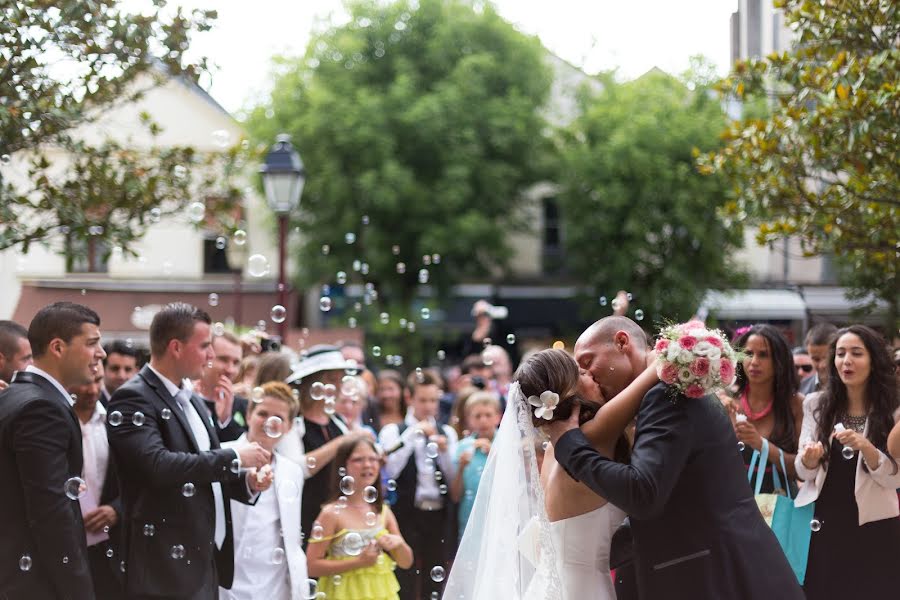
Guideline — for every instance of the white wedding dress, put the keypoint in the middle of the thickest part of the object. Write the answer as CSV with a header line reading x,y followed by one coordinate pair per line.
x,y
582,556
510,549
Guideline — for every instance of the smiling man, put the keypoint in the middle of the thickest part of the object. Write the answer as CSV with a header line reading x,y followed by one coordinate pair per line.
x,y
44,553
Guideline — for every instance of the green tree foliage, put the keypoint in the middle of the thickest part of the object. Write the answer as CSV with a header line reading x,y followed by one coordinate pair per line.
x,y
637,214
62,65
419,125
824,165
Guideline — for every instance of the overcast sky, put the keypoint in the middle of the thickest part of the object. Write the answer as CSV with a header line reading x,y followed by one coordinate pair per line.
x,y
633,35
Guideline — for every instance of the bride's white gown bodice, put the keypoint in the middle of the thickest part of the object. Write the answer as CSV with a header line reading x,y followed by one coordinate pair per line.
x,y
582,556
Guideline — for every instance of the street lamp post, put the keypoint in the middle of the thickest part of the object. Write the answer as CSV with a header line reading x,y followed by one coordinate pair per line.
x,y
283,178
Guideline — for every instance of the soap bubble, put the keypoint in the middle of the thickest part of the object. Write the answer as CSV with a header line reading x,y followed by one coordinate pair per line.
x,y
257,394
384,318
137,419
273,427
431,450
638,315
325,304
258,265
310,589
437,574
218,328
196,212
277,556
213,299
114,418
279,313
511,339
235,466
426,313
603,301
329,391
423,276
75,487
349,237
376,351
391,485
177,552
317,390
239,237
401,268
353,544
311,462
317,532
188,490
329,406
815,525
166,414
848,453
441,355
25,563
370,494
149,530
341,277
221,242
371,519
347,485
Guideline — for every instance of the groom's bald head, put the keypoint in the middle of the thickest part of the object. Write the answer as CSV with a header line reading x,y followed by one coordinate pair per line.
x,y
614,351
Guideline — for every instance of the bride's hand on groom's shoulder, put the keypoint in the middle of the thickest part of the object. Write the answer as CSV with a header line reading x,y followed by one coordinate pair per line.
x,y
556,429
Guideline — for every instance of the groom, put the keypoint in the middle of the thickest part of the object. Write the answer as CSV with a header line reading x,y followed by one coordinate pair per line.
x,y
698,533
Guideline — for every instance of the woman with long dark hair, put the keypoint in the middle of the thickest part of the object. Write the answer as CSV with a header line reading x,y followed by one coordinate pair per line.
x,y
767,398
850,475
355,541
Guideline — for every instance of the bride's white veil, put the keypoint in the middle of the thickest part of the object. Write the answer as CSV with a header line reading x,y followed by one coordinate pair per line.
x,y
507,543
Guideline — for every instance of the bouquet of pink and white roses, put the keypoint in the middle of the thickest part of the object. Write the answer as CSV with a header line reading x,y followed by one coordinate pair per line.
x,y
695,360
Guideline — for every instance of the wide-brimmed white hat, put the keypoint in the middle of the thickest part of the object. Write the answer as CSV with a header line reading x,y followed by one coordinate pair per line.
x,y
318,359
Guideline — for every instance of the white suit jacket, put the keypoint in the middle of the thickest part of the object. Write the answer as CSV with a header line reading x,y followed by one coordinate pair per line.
x,y
289,515
876,491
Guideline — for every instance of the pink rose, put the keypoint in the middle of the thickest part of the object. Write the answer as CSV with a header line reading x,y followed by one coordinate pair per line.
x,y
700,366
662,345
691,325
687,342
726,371
669,373
694,391
715,341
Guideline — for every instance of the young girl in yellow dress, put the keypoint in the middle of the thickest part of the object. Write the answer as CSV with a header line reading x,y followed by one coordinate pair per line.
x,y
355,542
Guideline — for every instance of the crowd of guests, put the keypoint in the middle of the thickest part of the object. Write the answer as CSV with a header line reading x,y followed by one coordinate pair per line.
x,y
204,467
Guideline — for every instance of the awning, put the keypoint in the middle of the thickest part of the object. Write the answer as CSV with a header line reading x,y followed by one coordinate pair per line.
x,y
833,301
749,305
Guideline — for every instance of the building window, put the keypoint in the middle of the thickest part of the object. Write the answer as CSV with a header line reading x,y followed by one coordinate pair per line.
x,y
86,255
552,238
215,259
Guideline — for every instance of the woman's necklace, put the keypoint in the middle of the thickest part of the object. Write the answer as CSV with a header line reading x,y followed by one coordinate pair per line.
x,y
754,416
857,424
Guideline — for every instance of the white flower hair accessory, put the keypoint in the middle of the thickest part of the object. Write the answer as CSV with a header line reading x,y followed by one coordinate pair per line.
x,y
544,405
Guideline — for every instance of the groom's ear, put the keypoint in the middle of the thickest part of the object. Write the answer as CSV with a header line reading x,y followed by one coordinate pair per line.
x,y
621,340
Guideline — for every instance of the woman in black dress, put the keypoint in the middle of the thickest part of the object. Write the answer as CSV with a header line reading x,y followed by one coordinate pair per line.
x,y
856,530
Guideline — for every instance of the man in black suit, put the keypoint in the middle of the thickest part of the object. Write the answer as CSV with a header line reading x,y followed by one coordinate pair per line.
x,y
176,481
101,506
15,351
216,387
43,553
698,533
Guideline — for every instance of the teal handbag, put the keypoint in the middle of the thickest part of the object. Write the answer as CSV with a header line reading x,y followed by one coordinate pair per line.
x,y
789,523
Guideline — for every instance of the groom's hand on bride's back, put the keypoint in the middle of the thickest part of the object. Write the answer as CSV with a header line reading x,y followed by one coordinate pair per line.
x,y
556,429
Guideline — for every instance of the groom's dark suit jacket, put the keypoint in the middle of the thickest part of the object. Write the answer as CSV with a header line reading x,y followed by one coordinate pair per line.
x,y
40,449
155,460
698,533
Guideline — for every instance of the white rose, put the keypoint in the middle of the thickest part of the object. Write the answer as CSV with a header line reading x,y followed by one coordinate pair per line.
x,y
703,348
673,351
686,357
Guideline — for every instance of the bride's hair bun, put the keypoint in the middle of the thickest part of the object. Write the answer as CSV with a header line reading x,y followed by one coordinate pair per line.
x,y
553,371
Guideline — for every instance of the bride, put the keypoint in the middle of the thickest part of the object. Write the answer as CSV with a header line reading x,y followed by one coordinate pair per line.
x,y
559,529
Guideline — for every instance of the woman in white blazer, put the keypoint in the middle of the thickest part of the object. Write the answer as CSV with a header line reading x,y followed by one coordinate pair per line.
x,y
268,557
850,476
